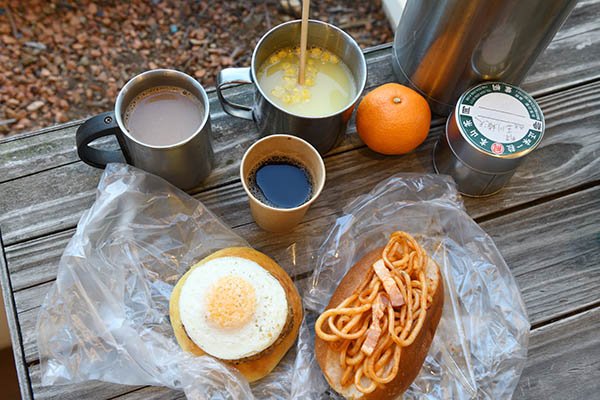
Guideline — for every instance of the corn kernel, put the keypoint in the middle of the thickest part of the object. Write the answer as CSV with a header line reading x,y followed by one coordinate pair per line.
x,y
278,91
310,61
287,99
334,59
326,56
309,82
282,53
315,52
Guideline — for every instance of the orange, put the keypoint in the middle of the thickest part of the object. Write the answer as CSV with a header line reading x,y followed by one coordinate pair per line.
x,y
393,119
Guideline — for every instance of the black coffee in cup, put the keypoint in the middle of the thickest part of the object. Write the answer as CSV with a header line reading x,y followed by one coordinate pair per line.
x,y
163,116
281,182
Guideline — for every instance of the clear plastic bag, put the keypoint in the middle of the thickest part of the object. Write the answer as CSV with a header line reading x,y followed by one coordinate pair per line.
x,y
480,346
107,315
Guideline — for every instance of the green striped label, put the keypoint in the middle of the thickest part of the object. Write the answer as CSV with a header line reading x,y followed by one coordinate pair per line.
x,y
500,119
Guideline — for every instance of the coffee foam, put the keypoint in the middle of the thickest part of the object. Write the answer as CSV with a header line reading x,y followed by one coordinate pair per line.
x,y
149,92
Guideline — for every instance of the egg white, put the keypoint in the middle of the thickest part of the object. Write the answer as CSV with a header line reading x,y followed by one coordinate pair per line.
x,y
262,329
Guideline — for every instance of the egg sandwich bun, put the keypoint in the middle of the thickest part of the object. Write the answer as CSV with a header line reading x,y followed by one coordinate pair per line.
x,y
374,335
239,306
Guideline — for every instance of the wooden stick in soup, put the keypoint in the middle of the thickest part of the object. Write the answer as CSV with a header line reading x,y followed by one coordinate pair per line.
x,y
303,40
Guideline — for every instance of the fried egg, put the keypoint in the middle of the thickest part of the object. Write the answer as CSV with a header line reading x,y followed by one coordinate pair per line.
x,y
232,308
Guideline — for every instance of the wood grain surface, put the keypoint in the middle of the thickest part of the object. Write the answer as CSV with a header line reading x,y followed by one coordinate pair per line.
x,y
546,222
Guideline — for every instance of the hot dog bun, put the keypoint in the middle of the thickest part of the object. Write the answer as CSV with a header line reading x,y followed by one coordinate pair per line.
x,y
412,356
255,366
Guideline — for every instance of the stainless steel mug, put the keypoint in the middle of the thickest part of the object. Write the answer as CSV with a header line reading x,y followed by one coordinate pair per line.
x,y
443,47
185,164
322,132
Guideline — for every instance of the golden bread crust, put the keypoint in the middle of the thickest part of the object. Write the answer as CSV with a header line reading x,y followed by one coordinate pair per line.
x,y
412,357
255,367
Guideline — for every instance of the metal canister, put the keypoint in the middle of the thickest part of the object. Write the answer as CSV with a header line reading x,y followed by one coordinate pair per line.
x,y
494,125
443,47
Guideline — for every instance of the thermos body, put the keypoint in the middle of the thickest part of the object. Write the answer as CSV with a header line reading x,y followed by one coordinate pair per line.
x,y
443,47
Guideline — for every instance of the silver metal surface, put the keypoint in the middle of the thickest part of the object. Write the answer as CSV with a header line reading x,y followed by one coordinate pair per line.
x,y
494,125
470,181
322,132
443,47
185,164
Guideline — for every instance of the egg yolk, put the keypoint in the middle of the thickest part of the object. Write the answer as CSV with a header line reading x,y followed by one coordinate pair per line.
x,y
231,302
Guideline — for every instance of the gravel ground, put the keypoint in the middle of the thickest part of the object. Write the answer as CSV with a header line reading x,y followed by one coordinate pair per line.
x,y
66,60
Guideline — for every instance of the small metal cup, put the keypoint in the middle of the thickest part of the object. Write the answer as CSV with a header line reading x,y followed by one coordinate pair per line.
x,y
493,127
185,164
322,132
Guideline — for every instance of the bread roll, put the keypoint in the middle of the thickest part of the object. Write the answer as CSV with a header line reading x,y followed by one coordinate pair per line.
x,y
258,365
412,356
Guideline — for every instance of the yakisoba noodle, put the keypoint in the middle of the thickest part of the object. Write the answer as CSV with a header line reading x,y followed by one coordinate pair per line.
x,y
368,328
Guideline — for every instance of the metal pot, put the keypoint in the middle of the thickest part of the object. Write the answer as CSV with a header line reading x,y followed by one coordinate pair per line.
x,y
322,132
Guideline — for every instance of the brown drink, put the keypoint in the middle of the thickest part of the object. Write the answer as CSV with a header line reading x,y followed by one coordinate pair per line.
x,y
163,116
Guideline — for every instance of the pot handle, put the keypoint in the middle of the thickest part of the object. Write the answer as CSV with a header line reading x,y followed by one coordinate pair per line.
x,y
231,77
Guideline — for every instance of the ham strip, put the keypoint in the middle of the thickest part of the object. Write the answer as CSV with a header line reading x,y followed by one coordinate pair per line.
x,y
374,330
388,283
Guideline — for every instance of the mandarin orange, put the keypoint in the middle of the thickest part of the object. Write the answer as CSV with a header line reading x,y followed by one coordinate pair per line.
x,y
393,119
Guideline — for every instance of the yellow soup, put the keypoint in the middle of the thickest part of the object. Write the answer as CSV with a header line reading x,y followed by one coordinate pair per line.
x,y
328,86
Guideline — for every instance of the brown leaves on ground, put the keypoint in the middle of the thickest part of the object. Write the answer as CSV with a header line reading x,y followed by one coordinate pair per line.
x,y
66,60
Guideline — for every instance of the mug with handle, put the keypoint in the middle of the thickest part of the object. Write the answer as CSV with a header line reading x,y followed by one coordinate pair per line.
x,y
321,132
185,164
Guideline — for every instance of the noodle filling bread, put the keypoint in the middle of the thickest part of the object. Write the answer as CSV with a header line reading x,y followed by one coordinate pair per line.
x,y
374,335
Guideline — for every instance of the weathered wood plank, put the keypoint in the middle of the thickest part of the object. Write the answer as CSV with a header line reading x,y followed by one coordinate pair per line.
x,y
565,159
552,250
572,57
569,163
35,261
563,360
38,153
85,390
546,258
561,365
13,325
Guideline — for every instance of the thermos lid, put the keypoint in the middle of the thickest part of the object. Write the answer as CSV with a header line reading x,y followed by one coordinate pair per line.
x,y
494,125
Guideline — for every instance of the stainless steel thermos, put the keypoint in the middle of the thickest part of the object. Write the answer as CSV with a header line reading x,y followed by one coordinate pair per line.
x,y
443,47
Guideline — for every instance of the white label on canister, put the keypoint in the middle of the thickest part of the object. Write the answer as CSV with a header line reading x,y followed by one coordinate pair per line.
x,y
500,119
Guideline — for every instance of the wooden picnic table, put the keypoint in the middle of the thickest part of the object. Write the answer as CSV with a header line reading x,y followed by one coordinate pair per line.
x,y
546,222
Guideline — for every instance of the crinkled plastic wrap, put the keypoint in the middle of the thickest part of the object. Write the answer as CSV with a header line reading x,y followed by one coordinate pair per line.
x,y
480,345
107,315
